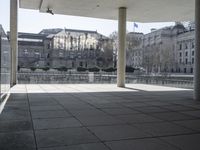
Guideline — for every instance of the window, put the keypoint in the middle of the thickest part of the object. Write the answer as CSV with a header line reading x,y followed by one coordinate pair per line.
x,y
186,61
48,55
186,46
186,53
37,54
71,56
180,60
81,64
192,53
191,70
180,54
192,44
25,52
180,47
185,70
48,46
73,64
192,60
60,54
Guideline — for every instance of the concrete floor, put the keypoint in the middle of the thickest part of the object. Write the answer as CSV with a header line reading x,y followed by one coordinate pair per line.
x,y
100,117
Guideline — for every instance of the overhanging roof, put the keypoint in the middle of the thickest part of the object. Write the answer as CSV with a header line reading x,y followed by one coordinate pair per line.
x,y
137,10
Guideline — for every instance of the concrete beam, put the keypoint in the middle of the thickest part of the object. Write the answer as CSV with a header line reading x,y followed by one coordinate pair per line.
x,y
13,40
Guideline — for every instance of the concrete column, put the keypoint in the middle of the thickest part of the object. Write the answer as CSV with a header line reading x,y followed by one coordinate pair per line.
x,y
13,40
197,52
121,57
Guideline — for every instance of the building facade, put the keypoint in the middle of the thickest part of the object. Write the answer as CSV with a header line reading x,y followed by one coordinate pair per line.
x,y
56,48
185,51
134,49
169,49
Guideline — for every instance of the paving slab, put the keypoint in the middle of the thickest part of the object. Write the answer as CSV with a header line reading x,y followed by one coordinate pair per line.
x,y
15,125
151,109
65,136
117,132
138,118
100,120
163,129
17,141
55,123
178,108
13,114
46,108
172,116
119,111
87,112
90,146
194,113
191,124
50,114
184,142
141,144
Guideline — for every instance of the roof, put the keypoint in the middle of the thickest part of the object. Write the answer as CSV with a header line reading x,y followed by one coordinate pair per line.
x,y
2,32
139,33
137,10
50,31
84,31
29,35
54,31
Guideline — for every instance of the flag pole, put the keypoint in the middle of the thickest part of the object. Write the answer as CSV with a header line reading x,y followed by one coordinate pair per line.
x,y
133,27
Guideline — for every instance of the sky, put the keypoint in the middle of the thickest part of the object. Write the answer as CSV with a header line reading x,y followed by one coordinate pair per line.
x,y
33,21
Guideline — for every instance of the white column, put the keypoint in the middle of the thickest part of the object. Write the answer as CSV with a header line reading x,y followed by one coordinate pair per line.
x,y
121,57
13,40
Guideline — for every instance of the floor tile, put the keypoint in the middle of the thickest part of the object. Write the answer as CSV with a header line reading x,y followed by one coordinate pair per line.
x,y
43,102
141,144
195,113
117,132
163,129
14,126
55,123
91,146
178,107
50,114
184,142
172,116
100,120
87,112
17,141
62,137
151,109
119,111
137,118
15,115
191,124
46,108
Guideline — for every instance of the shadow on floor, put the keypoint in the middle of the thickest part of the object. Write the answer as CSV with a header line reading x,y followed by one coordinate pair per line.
x,y
167,120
